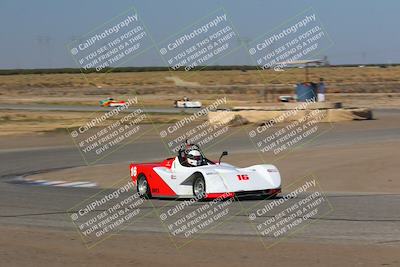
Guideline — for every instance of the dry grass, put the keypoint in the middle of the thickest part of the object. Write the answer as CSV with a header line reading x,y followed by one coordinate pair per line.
x,y
22,122
132,80
155,90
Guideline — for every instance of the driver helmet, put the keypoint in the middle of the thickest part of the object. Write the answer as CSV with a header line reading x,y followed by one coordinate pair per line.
x,y
194,157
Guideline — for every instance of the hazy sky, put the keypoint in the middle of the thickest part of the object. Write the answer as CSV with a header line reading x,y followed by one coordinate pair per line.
x,y
34,34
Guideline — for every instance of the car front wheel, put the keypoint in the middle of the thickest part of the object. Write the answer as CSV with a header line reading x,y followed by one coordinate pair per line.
x,y
143,187
199,188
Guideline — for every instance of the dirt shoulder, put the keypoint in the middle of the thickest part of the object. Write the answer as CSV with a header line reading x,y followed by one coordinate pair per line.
x,y
43,247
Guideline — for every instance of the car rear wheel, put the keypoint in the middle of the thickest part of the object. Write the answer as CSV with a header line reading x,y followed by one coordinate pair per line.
x,y
199,188
143,187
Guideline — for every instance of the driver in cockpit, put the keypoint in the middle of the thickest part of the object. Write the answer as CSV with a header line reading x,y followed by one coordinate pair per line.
x,y
191,156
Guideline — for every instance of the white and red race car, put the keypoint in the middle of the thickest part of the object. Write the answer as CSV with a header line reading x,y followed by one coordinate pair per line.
x,y
187,103
173,178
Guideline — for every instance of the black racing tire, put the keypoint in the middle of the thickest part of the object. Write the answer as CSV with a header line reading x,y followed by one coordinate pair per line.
x,y
143,187
199,187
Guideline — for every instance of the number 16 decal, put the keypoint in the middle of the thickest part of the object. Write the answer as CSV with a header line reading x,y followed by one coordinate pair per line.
x,y
242,177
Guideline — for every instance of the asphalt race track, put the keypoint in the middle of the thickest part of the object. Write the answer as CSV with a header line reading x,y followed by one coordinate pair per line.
x,y
361,217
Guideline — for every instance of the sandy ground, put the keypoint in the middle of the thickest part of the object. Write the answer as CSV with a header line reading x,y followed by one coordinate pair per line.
x,y
44,247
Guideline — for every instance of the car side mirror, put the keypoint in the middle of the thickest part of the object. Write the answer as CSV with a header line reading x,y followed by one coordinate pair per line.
x,y
225,153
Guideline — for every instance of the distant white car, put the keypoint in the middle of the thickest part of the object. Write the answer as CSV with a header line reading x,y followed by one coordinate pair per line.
x,y
187,103
285,98
172,178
